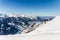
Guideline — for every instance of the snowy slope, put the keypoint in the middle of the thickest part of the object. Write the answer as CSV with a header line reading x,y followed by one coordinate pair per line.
x,y
50,27
31,37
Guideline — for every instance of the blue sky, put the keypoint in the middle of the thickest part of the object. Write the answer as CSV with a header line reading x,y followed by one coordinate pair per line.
x,y
32,7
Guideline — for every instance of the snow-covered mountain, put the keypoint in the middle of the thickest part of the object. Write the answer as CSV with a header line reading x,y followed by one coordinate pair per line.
x,y
18,24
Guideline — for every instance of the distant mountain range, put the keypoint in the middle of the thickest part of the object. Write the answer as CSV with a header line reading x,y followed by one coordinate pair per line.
x,y
18,24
